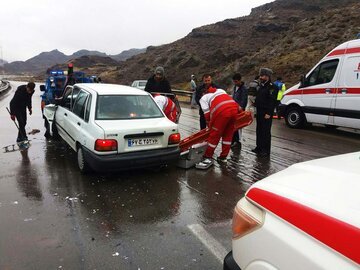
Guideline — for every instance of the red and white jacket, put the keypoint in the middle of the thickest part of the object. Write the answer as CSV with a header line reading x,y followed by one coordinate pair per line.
x,y
214,102
167,106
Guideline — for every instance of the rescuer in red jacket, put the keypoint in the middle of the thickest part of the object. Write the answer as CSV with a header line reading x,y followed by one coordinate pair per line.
x,y
220,112
167,106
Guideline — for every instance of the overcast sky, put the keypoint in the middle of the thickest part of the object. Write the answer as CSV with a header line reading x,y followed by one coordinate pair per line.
x,y
28,28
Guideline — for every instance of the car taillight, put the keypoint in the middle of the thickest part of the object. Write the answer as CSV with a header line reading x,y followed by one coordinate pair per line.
x,y
105,145
174,138
247,218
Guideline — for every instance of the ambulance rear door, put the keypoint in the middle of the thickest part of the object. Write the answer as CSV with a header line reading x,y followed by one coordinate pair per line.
x,y
347,105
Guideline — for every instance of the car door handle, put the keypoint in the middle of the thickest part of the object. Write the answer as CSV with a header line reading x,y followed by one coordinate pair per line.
x,y
78,123
343,91
65,114
328,91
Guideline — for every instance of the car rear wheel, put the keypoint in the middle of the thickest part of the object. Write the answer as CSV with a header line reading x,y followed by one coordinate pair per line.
x,y
82,164
295,118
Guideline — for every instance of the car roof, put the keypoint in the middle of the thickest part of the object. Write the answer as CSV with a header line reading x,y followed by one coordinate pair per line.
x,y
330,185
111,89
140,81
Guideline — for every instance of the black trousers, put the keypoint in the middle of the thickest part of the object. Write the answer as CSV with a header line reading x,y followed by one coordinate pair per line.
x,y
263,132
278,102
202,119
236,137
21,118
46,125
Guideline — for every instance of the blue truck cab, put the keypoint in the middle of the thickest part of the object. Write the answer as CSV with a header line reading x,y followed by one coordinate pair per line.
x,y
56,82
54,87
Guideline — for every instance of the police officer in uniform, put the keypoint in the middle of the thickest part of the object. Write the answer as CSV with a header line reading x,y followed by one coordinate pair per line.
x,y
265,103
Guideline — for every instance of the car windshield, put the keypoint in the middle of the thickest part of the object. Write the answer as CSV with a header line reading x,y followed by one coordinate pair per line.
x,y
142,83
111,107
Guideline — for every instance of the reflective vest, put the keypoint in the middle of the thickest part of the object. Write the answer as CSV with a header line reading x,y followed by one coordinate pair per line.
x,y
213,104
281,92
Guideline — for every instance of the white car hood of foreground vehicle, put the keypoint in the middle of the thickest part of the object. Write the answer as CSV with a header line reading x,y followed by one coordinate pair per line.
x,y
329,185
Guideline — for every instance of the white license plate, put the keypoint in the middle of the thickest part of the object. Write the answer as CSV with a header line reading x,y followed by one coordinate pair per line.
x,y
142,142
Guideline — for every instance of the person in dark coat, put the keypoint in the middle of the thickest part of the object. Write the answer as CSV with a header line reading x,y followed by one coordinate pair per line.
x,y
265,103
157,83
200,91
18,105
240,95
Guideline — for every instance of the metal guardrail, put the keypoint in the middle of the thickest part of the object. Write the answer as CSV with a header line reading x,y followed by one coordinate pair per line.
x,y
182,93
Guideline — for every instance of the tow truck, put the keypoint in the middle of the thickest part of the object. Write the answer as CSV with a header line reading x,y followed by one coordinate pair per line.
x,y
55,85
57,80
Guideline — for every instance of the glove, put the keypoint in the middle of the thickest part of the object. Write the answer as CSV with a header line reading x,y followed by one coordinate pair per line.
x,y
30,111
12,117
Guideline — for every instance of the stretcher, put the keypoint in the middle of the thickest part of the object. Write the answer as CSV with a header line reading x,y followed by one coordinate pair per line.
x,y
192,148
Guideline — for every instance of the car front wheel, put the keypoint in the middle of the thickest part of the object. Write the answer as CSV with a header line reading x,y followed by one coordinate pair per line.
x,y
295,118
82,164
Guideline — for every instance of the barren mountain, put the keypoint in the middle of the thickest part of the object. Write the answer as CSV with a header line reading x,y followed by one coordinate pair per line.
x,y
288,36
45,60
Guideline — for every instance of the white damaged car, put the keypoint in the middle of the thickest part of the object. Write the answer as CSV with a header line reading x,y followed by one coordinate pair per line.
x,y
113,127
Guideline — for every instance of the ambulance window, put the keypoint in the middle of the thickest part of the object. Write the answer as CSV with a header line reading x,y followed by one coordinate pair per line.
x,y
351,71
324,73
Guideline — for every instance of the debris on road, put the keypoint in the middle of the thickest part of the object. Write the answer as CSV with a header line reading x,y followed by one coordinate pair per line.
x,y
34,131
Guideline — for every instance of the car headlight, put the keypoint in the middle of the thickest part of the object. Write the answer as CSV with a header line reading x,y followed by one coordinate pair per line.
x,y
247,218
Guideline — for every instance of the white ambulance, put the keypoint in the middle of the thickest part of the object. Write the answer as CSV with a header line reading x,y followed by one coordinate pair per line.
x,y
330,93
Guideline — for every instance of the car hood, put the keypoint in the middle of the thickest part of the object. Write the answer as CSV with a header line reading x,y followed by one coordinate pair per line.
x,y
329,185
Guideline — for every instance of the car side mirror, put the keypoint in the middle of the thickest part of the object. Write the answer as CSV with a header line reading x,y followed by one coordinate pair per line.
x,y
302,80
42,88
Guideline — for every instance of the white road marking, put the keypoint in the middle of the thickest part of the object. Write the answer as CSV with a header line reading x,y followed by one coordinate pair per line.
x,y
210,242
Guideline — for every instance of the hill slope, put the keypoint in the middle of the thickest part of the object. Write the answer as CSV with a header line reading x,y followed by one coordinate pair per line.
x,y
288,36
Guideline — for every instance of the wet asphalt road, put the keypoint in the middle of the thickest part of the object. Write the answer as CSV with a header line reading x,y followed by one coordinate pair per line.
x,y
52,217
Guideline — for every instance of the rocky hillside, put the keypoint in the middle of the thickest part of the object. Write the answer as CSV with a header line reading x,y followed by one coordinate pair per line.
x,y
289,36
123,56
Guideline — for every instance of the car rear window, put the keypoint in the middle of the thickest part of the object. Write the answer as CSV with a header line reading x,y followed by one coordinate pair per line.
x,y
112,107
142,83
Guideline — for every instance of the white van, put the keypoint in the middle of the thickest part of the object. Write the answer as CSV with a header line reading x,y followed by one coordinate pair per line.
x,y
330,93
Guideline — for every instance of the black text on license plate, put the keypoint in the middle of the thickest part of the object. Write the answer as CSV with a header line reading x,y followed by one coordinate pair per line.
x,y
140,142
